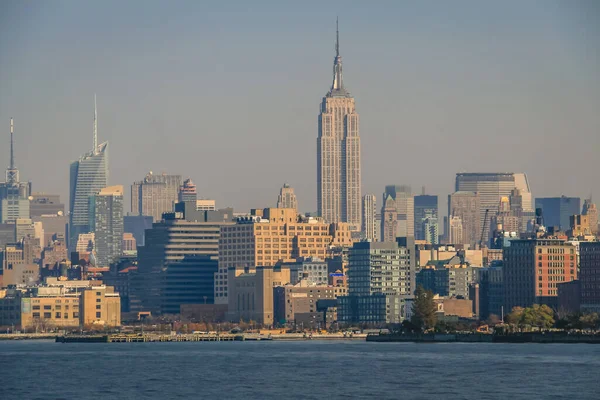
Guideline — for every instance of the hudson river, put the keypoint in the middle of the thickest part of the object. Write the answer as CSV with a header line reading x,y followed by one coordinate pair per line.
x,y
298,370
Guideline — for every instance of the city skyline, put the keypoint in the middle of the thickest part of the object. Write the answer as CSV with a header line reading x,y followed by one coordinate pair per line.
x,y
511,115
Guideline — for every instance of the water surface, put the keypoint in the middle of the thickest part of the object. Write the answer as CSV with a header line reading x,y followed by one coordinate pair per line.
x,y
298,370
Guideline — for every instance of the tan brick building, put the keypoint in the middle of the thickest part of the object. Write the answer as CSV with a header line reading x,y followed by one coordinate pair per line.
x,y
60,304
251,292
272,235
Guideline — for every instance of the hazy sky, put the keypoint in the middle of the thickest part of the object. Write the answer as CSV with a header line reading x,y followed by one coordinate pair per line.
x,y
228,93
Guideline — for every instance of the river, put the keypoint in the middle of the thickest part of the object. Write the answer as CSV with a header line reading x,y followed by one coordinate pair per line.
x,y
298,370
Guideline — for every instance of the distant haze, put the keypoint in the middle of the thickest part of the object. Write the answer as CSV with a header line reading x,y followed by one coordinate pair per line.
x,y
228,94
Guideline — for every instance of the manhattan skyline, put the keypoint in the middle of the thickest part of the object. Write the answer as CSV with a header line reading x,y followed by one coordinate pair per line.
x,y
500,88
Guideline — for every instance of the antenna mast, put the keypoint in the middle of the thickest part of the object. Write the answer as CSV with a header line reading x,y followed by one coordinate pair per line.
x,y
95,126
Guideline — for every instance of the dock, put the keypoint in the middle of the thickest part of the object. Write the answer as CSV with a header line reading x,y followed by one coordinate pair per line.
x,y
146,338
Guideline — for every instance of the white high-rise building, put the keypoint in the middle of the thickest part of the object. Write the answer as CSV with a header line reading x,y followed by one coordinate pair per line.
x,y
88,176
369,208
338,154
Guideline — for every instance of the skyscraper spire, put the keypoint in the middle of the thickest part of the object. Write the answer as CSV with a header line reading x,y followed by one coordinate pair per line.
x,y
12,173
337,88
12,150
95,149
337,37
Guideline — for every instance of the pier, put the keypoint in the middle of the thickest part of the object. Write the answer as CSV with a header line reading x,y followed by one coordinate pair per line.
x,y
150,337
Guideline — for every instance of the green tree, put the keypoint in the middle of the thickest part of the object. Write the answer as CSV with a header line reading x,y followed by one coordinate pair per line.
x,y
589,321
541,317
514,317
423,309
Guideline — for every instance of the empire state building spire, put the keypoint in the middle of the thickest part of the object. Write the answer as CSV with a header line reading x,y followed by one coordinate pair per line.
x,y
337,87
338,153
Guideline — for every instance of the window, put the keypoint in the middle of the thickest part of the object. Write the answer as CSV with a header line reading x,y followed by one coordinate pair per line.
x,y
75,315
36,308
98,293
57,315
98,300
47,315
47,307
98,315
98,307
36,315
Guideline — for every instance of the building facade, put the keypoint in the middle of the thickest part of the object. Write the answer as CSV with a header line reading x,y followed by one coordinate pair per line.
x,y
278,234
400,198
293,302
14,194
60,304
448,278
380,277
45,204
589,276
310,269
251,293
533,268
176,251
466,206
88,176
426,208
287,197
338,154
590,210
369,210
106,217
187,191
155,195
491,187
557,210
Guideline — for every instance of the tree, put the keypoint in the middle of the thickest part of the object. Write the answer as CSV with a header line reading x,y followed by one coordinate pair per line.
x,y
514,317
589,321
541,317
423,309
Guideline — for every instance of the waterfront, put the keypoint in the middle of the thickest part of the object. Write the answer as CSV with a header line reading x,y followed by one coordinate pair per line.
x,y
305,369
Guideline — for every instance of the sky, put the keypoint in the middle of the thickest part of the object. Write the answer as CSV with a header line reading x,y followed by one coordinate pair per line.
x,y
228,93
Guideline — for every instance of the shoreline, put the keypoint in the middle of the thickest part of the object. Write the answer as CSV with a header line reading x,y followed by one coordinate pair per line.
x,y
521,337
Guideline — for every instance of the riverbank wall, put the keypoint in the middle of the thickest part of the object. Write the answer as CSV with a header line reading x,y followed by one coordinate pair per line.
x,y
525,337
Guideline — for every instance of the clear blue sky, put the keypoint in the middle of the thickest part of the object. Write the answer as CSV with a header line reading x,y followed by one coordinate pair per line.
x,y
227,93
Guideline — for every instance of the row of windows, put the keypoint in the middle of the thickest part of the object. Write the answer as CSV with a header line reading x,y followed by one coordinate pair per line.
x,y
48,315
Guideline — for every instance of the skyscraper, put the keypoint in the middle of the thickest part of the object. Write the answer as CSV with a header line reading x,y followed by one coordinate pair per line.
x,y
491,187
176,266
389,219
155,195
557,210
368,218
426,207
465,206
287,198
338,153
187,191
380,277
88,176
106,216
400,197
591,211
14,195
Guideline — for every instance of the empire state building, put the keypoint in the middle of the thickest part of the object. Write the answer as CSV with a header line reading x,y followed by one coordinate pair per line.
x,y
338,153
